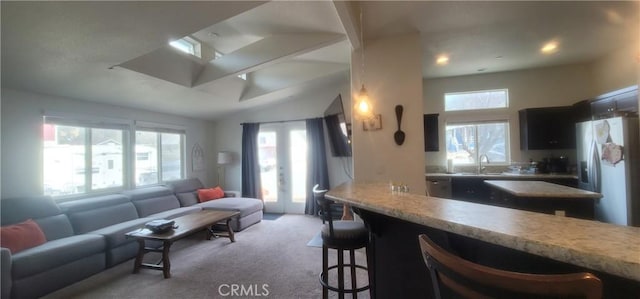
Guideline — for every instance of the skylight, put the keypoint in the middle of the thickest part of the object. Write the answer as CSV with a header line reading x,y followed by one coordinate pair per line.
x,y
187,45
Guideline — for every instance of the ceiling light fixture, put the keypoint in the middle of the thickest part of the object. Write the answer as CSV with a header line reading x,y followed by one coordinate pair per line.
x,y
549,48
442,59
363,108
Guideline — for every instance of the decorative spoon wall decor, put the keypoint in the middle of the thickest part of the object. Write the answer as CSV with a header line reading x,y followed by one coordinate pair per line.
x,y
398,136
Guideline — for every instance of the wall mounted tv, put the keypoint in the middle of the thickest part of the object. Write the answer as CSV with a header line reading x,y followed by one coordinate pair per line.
x,y
338,130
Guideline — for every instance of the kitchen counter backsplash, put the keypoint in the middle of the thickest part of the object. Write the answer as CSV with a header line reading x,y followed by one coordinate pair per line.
x,y
466,169
515,168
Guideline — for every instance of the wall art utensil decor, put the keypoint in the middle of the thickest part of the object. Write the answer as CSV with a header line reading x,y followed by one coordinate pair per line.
x,y
399,135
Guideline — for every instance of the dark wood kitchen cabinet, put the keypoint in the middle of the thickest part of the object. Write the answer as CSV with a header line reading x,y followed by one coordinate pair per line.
x,y
619,102
471,189
547,128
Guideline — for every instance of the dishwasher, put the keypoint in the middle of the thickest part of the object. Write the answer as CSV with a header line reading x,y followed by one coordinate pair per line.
x,y
440,187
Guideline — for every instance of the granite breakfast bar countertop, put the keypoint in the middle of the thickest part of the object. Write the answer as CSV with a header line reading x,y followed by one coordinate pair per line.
x,y
603,247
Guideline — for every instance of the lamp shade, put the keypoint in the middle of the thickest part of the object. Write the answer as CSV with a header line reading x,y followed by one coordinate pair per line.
x,y
225,158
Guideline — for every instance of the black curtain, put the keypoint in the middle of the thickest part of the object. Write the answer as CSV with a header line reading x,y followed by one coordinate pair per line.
x,y
317,172
251,186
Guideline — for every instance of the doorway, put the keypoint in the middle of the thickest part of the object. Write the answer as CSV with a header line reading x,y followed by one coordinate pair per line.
x,y
282,154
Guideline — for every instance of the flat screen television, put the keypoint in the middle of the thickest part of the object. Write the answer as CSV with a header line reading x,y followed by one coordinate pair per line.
x,y
338,130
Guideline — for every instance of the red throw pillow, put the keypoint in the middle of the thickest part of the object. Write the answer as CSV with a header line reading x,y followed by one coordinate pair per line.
x,y
21,236
210,194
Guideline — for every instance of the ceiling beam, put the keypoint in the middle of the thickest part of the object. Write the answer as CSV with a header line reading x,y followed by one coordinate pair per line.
x,y
288,75
348,12
167,64
263,53
303,87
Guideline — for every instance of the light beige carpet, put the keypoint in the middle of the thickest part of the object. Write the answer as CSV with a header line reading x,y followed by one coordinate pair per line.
x,y
268,260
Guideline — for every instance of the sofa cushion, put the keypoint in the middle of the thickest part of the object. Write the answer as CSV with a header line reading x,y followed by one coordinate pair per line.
x,y
55,227
55,253
6,281
153,200
186,185
14,210
244,205
187,198
20,236
97,212
115,234
210,194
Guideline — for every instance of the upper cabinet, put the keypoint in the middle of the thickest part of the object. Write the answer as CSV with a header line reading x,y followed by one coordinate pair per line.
x,y
547,128
623,102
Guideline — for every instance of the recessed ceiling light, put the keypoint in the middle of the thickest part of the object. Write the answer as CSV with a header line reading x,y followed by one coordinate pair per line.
x,y
442,59
213,34
550,47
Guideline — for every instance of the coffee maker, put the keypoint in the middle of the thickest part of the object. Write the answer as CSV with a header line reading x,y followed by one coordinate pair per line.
x,y
558,164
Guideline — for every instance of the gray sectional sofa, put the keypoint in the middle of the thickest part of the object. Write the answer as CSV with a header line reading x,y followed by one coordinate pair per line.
x,y
87,236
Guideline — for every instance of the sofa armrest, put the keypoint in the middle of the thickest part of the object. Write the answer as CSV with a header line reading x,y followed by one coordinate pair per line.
x,y
5,273
232,194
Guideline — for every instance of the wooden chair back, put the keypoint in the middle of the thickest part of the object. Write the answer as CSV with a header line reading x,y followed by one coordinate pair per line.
x,y
471,280
325,207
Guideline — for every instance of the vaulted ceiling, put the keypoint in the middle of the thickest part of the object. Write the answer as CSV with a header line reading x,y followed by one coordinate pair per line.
x,y
118,52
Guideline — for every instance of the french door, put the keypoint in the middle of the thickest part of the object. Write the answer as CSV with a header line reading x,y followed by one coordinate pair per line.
x,y
282,152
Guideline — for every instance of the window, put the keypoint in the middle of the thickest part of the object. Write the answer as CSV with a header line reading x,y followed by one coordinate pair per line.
x,y
187,45
474,100
466,142
158,151
80,159
83,157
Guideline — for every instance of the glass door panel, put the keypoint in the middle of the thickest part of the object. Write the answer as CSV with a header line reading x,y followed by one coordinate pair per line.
x,y
298,167
267,149
283,162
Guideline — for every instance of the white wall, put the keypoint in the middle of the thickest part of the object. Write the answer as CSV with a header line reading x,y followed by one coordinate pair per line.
x,y
617,70
392,76
21,137
310,105
545,87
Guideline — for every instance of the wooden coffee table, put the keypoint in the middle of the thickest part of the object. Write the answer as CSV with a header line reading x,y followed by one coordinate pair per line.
x,y
187,225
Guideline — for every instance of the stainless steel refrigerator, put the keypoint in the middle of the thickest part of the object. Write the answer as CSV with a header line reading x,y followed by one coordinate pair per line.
x,y
609,163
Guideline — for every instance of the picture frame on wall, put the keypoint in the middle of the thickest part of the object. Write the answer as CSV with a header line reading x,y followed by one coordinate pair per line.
x,y
197,158
372,124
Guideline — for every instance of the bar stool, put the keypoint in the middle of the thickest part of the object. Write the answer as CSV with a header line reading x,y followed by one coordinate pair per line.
x,y
340,235
470,280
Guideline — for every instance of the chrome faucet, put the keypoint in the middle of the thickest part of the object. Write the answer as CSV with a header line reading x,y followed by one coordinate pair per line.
x,y
480,167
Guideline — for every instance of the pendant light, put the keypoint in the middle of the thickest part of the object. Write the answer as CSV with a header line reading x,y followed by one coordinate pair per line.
x,y
363,109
